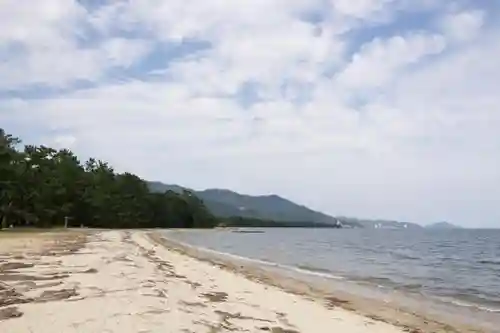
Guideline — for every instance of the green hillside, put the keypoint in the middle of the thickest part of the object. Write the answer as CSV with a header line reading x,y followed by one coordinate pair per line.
x,y
226,203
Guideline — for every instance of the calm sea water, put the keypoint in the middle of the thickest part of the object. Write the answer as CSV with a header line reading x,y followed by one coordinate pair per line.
x,y
457,266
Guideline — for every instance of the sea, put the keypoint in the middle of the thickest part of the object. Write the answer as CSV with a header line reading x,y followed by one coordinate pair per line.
x,y
454,271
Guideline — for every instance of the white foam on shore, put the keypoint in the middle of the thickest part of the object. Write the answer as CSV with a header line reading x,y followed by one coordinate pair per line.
x,y
464,304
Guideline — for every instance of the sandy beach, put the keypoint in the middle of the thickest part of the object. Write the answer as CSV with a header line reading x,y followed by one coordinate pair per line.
x,y
128,281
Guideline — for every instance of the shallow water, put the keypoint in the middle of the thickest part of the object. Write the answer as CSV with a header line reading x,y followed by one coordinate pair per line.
x,y
459,267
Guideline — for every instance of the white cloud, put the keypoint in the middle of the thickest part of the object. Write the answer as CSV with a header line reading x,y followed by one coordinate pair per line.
x,y
39,23
182,19
380,60
59,65
403,126
360,8
63,141
464,25
40,43
268,57
124,52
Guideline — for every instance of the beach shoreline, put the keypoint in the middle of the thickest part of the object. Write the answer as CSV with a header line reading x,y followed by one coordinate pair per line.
x,y
140,281
382,305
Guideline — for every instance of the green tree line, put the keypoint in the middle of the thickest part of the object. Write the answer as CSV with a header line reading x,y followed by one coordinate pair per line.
x,y
44,187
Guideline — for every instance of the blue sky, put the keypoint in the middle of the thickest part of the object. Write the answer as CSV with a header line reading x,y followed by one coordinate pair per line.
x,y
383,109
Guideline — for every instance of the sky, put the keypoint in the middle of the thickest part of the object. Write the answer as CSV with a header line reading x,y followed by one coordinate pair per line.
x,y
367,108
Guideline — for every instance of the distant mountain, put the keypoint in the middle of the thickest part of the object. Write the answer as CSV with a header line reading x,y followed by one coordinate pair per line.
x,y
226,203
160,187
443,225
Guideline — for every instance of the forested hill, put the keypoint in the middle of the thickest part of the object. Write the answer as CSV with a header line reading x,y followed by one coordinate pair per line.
x,y
41,186
226,203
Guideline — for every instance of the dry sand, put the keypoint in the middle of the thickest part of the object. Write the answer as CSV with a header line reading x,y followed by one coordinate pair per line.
x,y
125,281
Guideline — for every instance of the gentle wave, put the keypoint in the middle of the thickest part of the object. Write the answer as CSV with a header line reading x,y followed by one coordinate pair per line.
x,y
489,261
314,269
403,255
465,304
303,269
225,254
459,269
314,272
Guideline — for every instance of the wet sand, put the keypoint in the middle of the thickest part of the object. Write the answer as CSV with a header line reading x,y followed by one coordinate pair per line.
x,y
134,281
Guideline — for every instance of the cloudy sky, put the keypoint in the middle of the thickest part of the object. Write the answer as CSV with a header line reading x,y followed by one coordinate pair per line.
x,y
367,108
